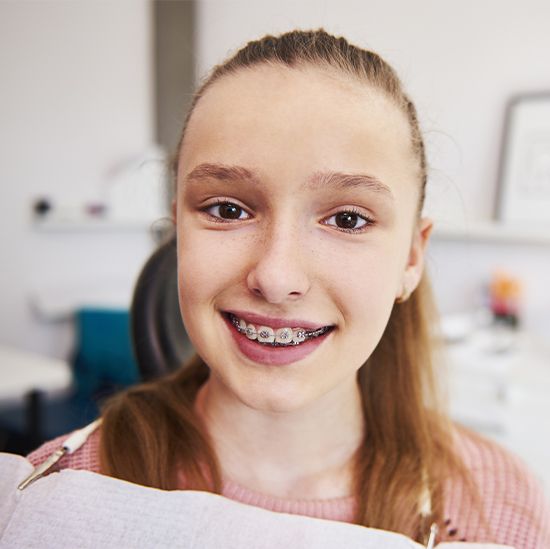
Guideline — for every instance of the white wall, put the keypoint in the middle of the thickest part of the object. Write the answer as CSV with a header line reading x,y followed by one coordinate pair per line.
x,y
461,61
76,98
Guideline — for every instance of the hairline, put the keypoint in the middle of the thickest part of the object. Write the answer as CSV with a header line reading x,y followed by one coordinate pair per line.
x,y
338,67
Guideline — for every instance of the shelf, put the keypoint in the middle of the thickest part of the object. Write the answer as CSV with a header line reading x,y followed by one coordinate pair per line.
x,y
157,227
54,225
495,232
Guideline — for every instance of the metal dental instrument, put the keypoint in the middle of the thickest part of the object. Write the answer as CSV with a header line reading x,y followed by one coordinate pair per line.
x,y
72,444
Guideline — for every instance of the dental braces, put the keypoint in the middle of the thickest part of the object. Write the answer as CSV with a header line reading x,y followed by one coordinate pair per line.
x,y
295,336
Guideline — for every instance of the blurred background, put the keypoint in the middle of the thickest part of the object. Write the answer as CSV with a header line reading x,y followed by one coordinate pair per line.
x,y
93,94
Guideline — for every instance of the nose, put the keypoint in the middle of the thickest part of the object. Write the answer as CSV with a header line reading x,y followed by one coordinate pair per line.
x,y
278,273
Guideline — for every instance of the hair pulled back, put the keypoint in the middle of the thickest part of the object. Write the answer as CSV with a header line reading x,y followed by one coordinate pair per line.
x,y
150,432
318,48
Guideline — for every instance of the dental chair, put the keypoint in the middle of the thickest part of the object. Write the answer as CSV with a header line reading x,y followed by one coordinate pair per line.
x,y
157,338
160,341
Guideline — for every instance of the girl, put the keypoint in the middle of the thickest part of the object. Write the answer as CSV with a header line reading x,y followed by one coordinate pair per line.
x,y
300,181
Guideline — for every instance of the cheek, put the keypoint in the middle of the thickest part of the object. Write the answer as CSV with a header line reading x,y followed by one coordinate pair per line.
x,y
369,299
366,283
208,263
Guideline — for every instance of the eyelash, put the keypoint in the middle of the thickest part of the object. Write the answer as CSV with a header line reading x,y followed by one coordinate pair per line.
x,y
223,202
369,221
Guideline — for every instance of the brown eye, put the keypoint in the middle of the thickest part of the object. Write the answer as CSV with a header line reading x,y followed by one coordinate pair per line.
x,y
346,220
230,211
349,221
227,210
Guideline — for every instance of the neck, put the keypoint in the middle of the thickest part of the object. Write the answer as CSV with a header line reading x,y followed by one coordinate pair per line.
x,y
301,454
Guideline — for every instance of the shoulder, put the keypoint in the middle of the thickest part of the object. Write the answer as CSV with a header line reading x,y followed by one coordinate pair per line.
x,y
511,499
86,457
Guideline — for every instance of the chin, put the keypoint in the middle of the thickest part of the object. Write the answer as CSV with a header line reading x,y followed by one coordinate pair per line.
x,y
276,396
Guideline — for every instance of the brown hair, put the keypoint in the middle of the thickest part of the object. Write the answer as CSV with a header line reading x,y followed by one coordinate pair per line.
x,y
150,431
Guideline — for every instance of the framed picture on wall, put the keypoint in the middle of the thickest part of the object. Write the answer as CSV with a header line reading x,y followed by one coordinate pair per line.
x,y
524,185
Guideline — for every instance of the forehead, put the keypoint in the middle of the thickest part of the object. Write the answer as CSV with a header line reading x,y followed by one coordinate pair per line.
x,y
302,119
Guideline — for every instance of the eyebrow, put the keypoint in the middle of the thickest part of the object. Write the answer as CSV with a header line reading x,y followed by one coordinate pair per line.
x,y
340,180
349,181
222,172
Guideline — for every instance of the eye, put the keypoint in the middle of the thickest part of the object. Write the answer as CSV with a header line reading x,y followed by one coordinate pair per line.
x,y
349,221
227,211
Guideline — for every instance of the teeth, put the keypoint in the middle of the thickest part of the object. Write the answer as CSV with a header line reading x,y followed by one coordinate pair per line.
x,y
283,335
249,330
266,334
280,337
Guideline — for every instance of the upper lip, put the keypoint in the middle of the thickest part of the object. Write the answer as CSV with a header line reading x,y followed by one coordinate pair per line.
x,y
276,322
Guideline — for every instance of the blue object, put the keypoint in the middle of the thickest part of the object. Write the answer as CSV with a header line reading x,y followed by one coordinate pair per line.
x,y
104,360
103,363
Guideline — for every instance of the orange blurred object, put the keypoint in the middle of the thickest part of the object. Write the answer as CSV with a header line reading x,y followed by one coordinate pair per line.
x,y
505,296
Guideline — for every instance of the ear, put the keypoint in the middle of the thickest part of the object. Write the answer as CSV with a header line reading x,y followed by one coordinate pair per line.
x,y
415,262
174,209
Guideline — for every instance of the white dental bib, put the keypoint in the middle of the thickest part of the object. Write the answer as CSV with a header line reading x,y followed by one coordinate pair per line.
x,y
80,509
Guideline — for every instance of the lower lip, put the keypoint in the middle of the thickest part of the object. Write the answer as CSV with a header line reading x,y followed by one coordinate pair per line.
x,y
273,356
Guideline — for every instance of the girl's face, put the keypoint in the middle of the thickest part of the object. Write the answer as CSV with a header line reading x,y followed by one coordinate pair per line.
x,y
296,217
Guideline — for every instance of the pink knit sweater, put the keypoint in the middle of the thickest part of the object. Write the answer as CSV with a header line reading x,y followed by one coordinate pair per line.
x,y
513,501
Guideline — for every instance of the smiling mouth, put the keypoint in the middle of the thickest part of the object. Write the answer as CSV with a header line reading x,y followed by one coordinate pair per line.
x,y
276,337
